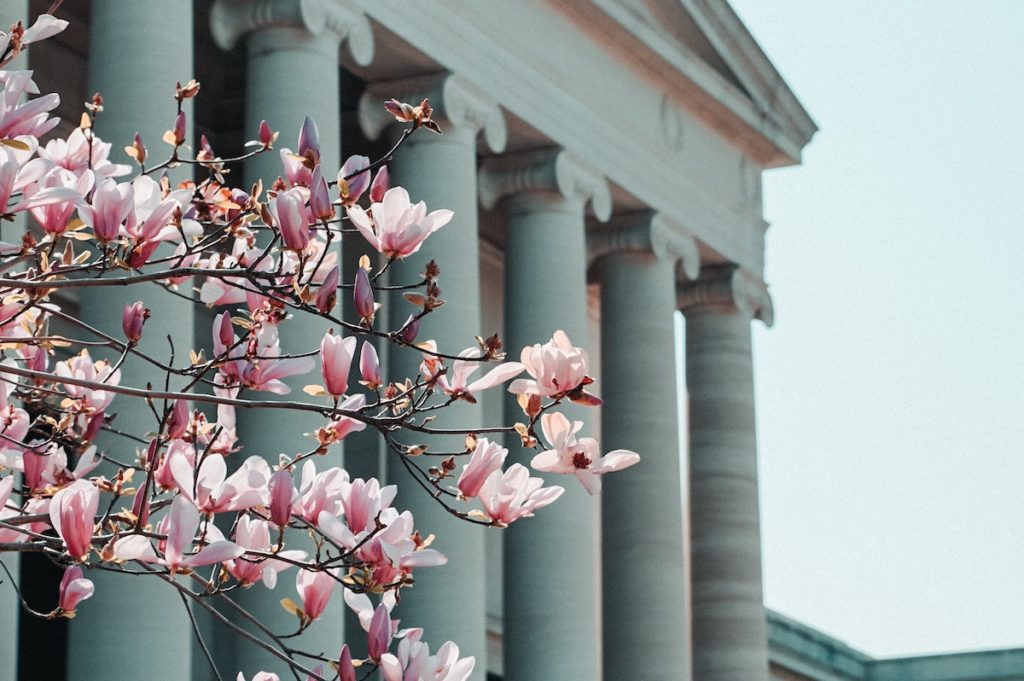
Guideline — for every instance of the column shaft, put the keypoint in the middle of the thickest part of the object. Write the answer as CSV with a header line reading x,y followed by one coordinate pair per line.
x,y
551,629
291,74
644,583
448,601
729,633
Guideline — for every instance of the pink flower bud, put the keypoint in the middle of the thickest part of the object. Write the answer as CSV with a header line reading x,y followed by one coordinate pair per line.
x,y
410,330
369,366
140,506
346,670
224,333
289,211
282,492
34,463
380,185
74,588
205,150
266,134
92,429
179,129
379,636
132,319
335,361
309,140
355,180
362,295
178,421
73,516
327,294
320,196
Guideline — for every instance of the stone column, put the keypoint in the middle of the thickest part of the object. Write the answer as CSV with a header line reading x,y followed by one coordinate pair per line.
x,y
136,624
645,594
293,49
551,629
448,601
729,634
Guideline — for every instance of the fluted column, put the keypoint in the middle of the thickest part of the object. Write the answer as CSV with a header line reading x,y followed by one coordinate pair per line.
x,y
448,601
644,604
136,623
551,629
293,49
729,635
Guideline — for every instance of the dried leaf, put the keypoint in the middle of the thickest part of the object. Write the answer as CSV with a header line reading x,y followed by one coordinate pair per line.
x,y
315,390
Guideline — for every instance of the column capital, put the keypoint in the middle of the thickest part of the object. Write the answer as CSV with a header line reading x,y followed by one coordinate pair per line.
x,y
646,232
454,99
232,19
545,171
729,288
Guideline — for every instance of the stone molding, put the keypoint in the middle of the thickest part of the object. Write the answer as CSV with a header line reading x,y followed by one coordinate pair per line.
x,y
230,20
551,171
646,232
729,288
455,100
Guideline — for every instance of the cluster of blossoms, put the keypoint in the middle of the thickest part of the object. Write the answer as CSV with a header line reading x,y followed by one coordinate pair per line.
x,y
157,496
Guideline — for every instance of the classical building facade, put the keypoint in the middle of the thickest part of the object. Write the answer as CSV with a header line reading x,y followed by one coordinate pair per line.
x,y
604,162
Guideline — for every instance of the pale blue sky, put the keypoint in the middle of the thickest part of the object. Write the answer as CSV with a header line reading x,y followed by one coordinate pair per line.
x,y
891,390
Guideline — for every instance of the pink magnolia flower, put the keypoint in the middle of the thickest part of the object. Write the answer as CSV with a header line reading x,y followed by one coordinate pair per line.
x,y
343,426
462,369
315,588
309,140
292,218
362,296
327,294
282,495
149,220
22,116
74,588
14,423
73,516
81,152
395,226
180,526
346,669
510,495
45,27
54,216
487,457
369,366
357,183
581,457
335,361
380,185
48,465
319,196
380,632
558,369
132,319
178,420
414,661
82,367
215,491
111,204
6,512
320,492
254,534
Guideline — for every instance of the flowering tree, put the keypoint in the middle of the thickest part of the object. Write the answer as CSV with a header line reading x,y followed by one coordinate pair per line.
x,y
143,497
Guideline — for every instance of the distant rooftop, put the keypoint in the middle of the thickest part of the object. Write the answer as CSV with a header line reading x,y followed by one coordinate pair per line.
x,y
801,653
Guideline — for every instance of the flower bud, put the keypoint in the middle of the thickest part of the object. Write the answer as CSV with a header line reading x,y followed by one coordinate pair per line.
x,y
137,150
351,180
362,295
140,506
309,140
292,219
92,429
369,366
346,670
320,196
379,636
327,294
380,185
281,493
267,136
178,421
176,135
224,336
132,319
74,588
410,330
